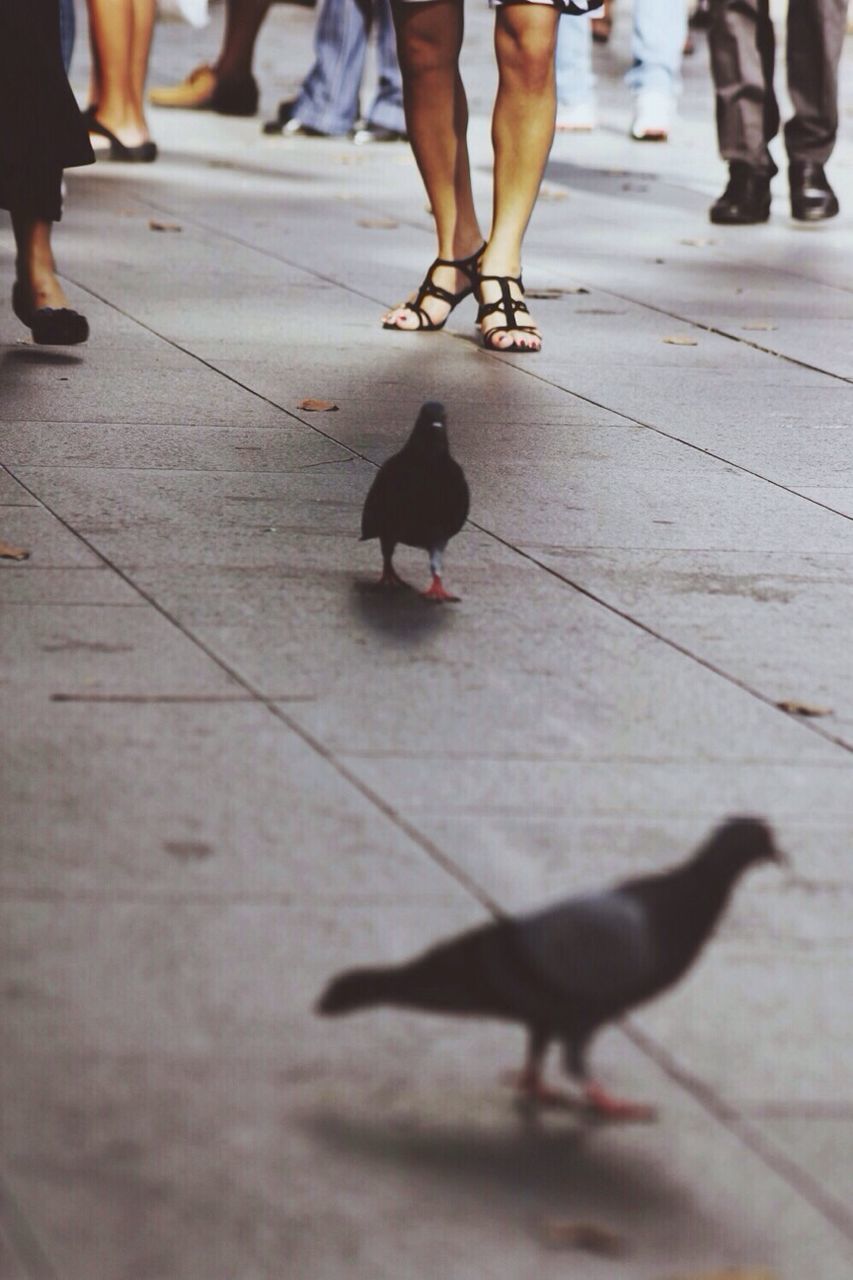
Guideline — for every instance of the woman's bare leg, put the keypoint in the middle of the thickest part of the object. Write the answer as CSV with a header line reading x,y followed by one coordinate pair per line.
x,y
121,37
429,37
522,133
36,269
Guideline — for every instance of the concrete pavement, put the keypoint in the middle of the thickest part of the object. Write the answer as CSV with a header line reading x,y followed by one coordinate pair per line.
x,y
231,768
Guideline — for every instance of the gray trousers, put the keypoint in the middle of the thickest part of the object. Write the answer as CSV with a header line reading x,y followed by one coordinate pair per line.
x,y
742,48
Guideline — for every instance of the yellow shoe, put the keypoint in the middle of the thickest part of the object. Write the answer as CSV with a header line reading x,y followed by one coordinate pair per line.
x,y
196,92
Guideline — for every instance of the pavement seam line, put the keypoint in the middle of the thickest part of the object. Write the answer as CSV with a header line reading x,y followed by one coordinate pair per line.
x,y
389,811
742,1127
752,1139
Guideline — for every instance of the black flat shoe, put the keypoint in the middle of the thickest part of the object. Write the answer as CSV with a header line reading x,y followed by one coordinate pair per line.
x,y
142,153
812,198
370,132
428,289
50,326
745,200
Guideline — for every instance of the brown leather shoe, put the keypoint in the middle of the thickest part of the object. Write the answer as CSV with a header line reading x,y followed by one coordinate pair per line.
x,y
193,93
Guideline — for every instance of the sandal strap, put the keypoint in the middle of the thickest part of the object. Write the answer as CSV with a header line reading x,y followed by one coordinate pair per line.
x,y
506,303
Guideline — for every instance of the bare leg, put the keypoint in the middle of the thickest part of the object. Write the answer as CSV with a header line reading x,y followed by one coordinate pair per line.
x,y
429,38
120,32
522,133
36,268
243,21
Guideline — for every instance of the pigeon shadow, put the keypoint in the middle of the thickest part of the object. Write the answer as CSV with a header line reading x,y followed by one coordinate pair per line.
x,y
528,1169
397,613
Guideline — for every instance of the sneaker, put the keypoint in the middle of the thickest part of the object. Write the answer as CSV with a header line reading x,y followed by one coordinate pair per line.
x,y
365,134
577,117
296,129
653,118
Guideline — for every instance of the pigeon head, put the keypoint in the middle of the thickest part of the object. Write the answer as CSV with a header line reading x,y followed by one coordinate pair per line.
x,y
429,434
737,844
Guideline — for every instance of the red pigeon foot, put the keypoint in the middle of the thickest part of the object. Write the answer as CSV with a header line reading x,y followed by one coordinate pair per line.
x,y
610,1108
436,592
391,578
532,1088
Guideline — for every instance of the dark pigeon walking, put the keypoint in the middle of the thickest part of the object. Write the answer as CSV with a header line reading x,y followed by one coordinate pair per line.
x,y
420,498
565,971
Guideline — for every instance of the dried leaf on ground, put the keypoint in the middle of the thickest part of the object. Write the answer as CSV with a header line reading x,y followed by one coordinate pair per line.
x,y
765,325
563,1233
697,242
681,340
730,1273
8,552
155,225
802,708
378,224
547,294
317,406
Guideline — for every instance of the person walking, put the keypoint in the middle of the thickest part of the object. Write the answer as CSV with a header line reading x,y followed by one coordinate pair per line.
x,y
328,102
41,133
742,44
429,41
658,34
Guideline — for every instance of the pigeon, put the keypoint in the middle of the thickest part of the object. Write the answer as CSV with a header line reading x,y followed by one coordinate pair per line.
x,y
566,970
420,498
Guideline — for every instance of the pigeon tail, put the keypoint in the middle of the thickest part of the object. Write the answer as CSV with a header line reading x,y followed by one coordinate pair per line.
x,y
358,989
449,978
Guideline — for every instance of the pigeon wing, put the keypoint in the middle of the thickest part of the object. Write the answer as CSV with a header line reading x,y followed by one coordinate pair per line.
x,y
596,950
385,501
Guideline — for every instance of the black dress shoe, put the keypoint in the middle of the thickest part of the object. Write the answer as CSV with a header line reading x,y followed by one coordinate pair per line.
x,y
812,198
745,200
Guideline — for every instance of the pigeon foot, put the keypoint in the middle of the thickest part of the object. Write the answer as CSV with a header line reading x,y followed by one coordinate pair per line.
x,y
437,593
391,578
531,1088
606,1107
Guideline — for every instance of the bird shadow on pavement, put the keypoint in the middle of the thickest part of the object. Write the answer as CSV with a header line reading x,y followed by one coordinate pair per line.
x,y
398,613
523,1169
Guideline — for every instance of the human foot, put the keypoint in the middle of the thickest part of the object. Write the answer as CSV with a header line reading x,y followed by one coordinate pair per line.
x,y
504,318
446,284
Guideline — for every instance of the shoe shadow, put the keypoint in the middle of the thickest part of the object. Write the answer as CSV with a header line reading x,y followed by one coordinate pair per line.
x,y
29,355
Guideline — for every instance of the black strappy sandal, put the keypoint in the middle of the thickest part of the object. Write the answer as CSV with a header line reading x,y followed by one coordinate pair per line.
x,y
428,289
510,307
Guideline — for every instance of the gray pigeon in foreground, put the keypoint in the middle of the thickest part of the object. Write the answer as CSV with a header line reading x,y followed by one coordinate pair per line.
x,y
420,498
565,971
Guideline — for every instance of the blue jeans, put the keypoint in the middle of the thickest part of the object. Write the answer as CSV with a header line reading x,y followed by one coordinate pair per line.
x,y
657,44
328,99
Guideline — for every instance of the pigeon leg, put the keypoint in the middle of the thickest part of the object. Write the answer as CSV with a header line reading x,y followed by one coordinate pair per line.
x,y
390,576
436,590
528,1082
604,1104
